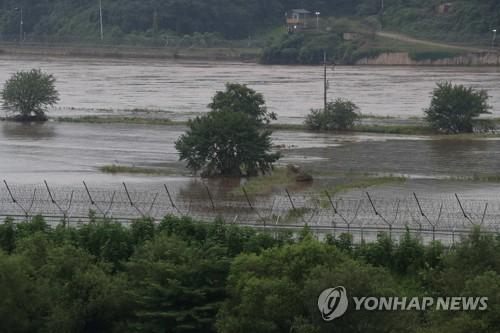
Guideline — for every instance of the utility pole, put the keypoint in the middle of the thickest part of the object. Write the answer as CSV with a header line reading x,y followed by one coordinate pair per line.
x,y
21,28
325,82
382,7
100,19
21,24
494,38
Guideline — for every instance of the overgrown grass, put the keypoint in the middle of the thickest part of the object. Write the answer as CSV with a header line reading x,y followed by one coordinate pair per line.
x,y
364,182
117,169
420,50
408,129
480,178
119,120
278,179
395,129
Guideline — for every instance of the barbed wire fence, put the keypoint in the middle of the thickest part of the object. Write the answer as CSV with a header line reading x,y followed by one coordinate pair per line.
x,y
446,219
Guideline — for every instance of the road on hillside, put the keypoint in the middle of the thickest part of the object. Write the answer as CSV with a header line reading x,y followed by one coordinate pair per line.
x,y
405,38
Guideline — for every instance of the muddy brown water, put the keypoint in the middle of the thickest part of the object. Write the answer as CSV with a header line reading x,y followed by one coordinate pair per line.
x,y
67,154
97,86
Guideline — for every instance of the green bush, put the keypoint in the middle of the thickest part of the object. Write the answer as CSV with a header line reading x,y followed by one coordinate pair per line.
x,y
188,276
30,93
454,108
339,115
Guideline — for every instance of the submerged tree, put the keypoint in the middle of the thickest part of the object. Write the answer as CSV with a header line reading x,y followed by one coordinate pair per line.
x,y
454,108
339,115
232,139
29,93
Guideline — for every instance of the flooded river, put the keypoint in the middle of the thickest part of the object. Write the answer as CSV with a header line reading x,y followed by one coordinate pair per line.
x,y
181,89
67,154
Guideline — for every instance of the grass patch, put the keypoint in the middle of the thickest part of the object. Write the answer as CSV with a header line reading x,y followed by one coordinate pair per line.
x,y
296,214
117,169
365,183
419,50
374,116
384,129
118,120
278,179
395,129
480,178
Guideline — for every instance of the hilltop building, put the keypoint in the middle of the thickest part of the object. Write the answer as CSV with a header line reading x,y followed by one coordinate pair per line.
x,y
298,19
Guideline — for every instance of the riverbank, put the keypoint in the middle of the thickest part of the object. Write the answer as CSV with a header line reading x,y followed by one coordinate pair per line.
x,y
241,54
131,52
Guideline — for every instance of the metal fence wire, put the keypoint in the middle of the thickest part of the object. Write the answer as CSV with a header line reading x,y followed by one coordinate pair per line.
x,y
363,216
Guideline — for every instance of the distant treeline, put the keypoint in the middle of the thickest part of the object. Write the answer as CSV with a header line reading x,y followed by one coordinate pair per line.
x,y
234,19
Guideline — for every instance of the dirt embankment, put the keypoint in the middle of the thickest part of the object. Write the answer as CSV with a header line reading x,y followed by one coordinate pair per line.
x,y
404,59
228,54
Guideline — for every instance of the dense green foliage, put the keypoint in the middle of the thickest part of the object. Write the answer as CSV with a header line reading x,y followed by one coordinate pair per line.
x,y
454,108
467,20
230,18
309,47
29,93
79,20
183,276
232,139
339,115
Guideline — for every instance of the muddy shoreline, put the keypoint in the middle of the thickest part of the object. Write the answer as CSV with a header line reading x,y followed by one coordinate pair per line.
x,y
251,55
130,52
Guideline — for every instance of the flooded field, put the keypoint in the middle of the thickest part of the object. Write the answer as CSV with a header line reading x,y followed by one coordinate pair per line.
x,y
182,89
67,154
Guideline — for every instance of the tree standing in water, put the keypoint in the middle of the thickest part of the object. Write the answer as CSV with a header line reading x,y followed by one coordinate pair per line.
x,y
29,94
233,139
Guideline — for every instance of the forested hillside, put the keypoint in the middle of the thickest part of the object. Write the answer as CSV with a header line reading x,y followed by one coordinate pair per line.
x,y
235,19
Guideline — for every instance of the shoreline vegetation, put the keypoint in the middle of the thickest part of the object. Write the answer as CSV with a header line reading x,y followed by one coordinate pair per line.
x,y
413,127
416,55
123,169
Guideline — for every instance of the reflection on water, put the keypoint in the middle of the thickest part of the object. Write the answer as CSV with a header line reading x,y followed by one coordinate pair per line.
x,y
28,131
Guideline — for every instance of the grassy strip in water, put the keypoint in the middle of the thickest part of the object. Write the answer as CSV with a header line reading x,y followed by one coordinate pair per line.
x,y
485,178
280,178
380,129
116,169
383,129
365,182
118,120
395,129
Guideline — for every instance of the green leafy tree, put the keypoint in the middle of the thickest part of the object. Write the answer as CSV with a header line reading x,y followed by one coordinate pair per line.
x,y
339,115
265,290
22,306
177,286
232,139
29,93
454,108
7,235
83,294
